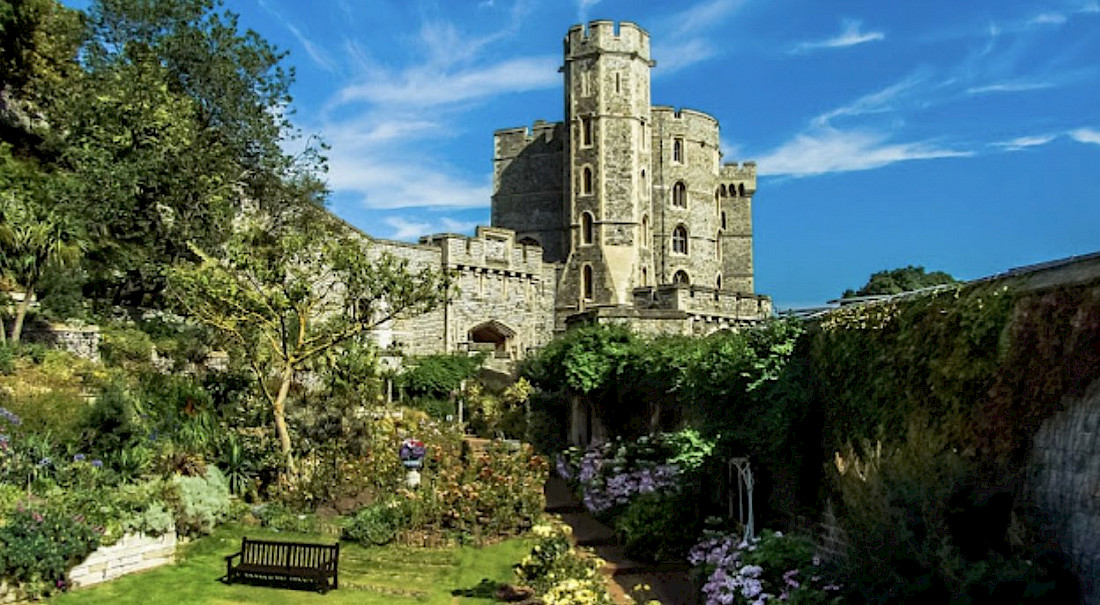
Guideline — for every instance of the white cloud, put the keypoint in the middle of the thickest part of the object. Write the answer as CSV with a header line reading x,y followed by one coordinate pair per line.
x,y
404,229
1024,142
426,86
1048,19
1086,135
315,52
582,9
681,38
850,35
880,101
829,150
1008,86
1090,7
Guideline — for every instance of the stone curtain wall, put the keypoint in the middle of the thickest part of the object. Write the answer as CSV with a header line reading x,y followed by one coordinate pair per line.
x,y
133,553
1066,481
82,341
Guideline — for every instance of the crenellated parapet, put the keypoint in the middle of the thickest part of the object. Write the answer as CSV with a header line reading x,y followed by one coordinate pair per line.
x,y
491,249
738,179
511,142
607,37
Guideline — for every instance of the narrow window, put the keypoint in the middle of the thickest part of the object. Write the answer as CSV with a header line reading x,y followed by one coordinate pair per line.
x,y
723,220
741,190
586,131
645,231
678,150
586,180
645,276
681,278
586,228
724,192
679,195
680,240
586,282
718,246
718,282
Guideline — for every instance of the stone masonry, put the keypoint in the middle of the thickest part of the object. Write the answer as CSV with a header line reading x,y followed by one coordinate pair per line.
x,y
621,213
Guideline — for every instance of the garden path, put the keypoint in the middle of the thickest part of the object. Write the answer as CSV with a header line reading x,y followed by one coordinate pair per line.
x,y
668,584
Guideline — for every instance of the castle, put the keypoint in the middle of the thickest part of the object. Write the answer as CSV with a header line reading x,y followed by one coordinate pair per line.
x,y
621,213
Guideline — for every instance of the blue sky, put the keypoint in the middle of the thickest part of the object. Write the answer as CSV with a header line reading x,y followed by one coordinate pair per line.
x,y
962,136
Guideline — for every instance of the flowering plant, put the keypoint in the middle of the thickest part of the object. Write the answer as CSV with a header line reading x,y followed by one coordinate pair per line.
x,y
773,567
412,449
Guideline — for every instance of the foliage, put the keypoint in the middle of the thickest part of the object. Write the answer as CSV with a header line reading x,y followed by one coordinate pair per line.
x,y
265,293
584,360
39,544
437,376
200,502
558,573
771,567
900,280
658,526
381,522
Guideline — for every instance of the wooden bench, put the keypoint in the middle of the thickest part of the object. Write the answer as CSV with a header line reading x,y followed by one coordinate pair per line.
x,y
269,560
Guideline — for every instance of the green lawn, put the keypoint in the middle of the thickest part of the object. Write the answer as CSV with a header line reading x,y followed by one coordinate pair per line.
x,y
392,574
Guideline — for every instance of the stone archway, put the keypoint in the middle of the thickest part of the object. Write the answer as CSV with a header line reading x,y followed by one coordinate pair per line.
x,y
493,332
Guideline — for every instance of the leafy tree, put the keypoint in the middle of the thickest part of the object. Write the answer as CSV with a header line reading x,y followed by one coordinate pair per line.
x,y
290,292
33,237
896,281
438,376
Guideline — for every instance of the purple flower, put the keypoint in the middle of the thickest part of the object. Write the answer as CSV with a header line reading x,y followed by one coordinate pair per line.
x,y
788,578
97,463
45,461
78,458
10,416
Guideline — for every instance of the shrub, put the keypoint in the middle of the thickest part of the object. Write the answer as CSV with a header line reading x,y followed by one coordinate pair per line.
x,y
380,523
558,573
200,502
281,517
7,356
125,346
39,544
658,527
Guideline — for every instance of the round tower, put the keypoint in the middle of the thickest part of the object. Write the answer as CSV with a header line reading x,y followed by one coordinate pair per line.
x,y
607,163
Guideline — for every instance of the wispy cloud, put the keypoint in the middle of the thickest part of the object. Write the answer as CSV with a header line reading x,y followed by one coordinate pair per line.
x,y
1048,19
583,7
880,101
1011,86
1086,135
850,35
1025,142
315,52
404,229
830,150
682,39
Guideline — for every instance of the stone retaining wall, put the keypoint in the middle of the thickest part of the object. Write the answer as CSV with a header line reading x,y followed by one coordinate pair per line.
x,y
133,553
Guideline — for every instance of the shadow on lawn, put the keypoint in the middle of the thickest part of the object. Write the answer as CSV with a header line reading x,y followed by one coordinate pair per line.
x,y
488,589
285,583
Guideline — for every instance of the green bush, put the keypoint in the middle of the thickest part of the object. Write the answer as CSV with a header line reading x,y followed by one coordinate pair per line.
x,y
7,356
125,346
278,516
380,523
38,544
200,502
658,527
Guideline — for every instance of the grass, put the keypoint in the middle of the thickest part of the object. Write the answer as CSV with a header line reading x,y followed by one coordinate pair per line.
x,y
392,575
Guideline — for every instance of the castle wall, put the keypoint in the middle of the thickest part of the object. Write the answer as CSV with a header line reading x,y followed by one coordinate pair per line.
x,y
737,185
527,185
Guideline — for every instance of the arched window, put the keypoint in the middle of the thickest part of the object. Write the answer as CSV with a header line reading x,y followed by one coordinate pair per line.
x,y
741,190
678,150
645,231
679,195
718,282
723,190
680,239
586,282
587,229
586,180
645,276
681,278
723,220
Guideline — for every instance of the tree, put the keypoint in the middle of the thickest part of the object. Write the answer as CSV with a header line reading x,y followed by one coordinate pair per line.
x,y
900,280
290,291
33,236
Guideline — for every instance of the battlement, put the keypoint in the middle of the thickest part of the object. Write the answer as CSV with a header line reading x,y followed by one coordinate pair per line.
x,y
733,170
508,142
492,248
667,112
606,36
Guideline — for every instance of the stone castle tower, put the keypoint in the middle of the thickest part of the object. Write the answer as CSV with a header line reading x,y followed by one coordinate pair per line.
x,y
632,199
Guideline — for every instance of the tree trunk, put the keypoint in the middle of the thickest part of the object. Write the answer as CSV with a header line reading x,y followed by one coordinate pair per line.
x,y
20,315
279,412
